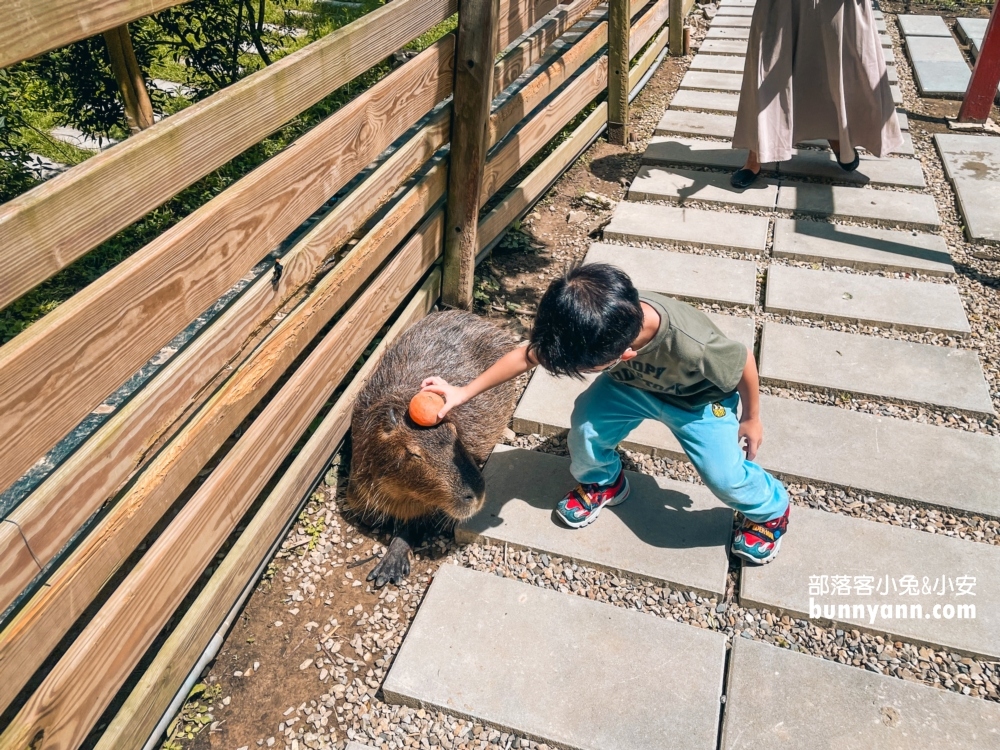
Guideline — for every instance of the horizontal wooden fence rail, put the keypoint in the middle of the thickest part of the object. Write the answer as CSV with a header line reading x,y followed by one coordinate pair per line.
x,y
146,704
47,616
97,470
31,27
517,16
54,373
79,687
47,228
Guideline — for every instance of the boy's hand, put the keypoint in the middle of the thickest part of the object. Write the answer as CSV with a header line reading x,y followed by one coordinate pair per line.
x,y
753,431
453,396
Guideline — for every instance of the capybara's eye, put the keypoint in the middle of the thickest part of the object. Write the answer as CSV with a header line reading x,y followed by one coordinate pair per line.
x,y
416,455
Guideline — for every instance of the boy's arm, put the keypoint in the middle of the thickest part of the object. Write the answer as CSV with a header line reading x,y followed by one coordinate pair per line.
x,y
509,366
750,424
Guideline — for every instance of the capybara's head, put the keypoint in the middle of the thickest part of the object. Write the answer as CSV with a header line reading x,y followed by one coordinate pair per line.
x,y
423,469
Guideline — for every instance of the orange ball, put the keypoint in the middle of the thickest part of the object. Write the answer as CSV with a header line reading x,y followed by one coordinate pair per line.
x,y
424,408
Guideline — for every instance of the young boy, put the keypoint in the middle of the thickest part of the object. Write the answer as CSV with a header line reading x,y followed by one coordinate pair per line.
x,y
659,359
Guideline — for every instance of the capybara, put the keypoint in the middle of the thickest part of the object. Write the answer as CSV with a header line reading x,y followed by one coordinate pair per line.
x,y
414,478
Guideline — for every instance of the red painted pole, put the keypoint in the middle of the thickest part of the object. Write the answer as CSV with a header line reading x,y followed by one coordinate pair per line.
x,y
985,76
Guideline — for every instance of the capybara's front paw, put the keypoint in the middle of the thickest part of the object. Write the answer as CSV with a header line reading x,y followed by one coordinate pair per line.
x,y
394,565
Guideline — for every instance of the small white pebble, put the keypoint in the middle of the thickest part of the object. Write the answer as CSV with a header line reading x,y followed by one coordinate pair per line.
x,y
306,664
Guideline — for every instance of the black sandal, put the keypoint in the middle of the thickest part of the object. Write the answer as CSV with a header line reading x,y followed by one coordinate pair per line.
x,y
850,167
743,178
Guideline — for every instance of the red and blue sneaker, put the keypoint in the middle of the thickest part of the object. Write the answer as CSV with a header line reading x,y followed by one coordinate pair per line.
x,y
583,504
759,542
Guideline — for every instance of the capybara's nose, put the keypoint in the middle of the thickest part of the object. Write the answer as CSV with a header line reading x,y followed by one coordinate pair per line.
x,y
469,498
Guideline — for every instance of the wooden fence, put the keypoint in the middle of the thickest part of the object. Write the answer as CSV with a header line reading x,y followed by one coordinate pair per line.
x,y
63,658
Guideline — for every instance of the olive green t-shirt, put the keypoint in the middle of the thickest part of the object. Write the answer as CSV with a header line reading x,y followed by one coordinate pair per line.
x,y
689,363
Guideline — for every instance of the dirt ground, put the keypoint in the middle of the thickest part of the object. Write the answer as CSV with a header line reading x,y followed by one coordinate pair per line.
x,y
278,665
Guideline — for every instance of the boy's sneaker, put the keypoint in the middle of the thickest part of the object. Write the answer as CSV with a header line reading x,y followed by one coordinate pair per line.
x,y
583,504
759,542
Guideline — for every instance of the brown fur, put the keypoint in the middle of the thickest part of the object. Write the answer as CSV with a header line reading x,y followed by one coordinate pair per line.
x,y
401,472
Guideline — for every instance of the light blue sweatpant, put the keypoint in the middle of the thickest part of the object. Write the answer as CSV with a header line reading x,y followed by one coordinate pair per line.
x,y
607,412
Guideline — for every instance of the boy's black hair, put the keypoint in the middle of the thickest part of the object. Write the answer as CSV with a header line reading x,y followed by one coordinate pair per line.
x,y
586,319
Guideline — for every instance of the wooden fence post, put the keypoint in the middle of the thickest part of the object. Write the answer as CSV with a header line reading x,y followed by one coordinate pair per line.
x,y
475,53
676,40
618,62
138,108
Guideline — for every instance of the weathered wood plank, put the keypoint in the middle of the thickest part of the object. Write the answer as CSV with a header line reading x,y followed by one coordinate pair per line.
x,y
528,52
58,370
103,465
149,700
517,16
536,183
470,115
618,65
47,228
78,688
32,27
525,143
43,621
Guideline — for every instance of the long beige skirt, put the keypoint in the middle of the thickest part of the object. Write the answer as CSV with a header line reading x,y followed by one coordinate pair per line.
x,y
815,69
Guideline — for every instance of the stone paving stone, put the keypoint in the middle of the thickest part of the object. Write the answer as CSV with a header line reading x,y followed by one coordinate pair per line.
x,y
905,150
920,463
643,222
740,22
780,699
671,532
969,156
684,275
923,26
889,55
704,81
696,123
897,95
971,29
861,247
708,101
859,298
723,47
869,548
718,63
727,11
977,202
496,650
654,183
874,366
939,67
904,121
727,32
887,171
672,150
888,208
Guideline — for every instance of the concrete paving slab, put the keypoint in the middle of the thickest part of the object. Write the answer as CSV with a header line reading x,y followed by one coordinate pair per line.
x,y
780,699
977,202
727,32
673,150
975,157
718,63
886,41
905,150
723,47
880,25
726,11
939,67
971,29
676,121
919,463
858,298
885,207
871,170
874,366
644,222
654,183
738,22
671,532
897,95
683,275
706,101
879,550
904,121
861,247
700,80
495,650
923,26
